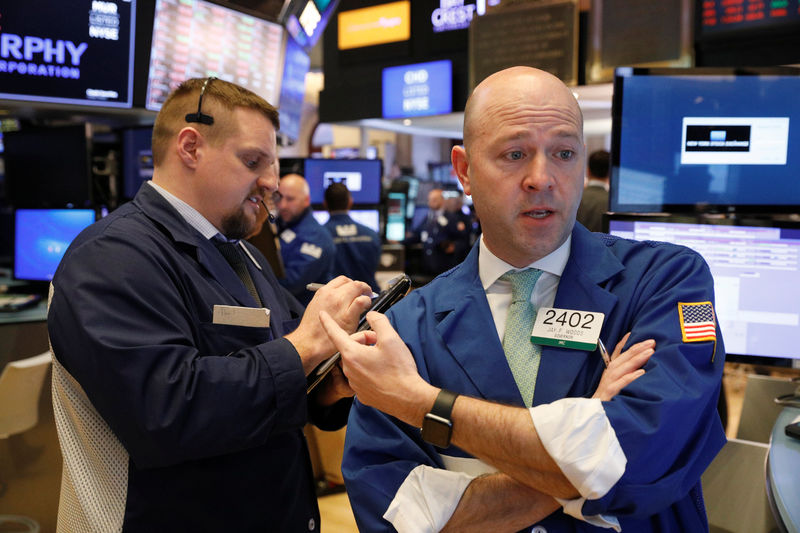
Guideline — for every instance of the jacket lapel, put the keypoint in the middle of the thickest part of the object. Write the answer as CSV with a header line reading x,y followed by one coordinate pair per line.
x,y
467,329
590,265
191,241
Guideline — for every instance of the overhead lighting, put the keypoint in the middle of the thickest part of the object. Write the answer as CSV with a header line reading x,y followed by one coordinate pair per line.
x,y
407,122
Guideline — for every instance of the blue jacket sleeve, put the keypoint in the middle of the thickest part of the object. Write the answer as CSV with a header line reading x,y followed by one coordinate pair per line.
x,y
131,326
666,421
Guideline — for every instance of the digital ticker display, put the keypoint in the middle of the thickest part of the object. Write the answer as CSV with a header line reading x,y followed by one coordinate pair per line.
x,y
195,39
84,55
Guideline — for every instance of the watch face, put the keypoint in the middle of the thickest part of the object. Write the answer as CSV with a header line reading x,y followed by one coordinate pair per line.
x,y
436,430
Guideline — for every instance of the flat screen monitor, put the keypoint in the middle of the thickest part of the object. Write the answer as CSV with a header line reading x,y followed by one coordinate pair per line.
x,y
293,90
137,159
756,272
417,90
41,236
725,18
371,218
305,20
80,52
395,216
196,38
48,167
362,177
715,140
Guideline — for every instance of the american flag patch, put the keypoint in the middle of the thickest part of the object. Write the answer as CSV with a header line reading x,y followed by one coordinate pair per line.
x,y
697,321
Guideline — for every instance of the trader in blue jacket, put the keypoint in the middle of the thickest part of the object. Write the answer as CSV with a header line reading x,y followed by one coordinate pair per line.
x,y
307,249
358,248
179,392
489,458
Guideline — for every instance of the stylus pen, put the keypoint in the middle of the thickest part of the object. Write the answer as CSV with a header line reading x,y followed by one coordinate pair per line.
x,y
603,352
313,287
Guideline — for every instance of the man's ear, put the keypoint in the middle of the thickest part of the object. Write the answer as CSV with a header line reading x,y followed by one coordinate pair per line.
x,y
458,156
189,140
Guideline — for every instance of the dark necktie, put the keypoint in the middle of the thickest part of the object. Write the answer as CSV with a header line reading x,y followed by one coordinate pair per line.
x,y
233,256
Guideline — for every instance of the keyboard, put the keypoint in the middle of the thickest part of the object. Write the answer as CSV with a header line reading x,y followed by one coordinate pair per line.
x,y
16,302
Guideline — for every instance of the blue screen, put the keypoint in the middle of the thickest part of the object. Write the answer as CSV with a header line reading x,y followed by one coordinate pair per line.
x,y
756,274
417,90
717,140
41,236
371,218
362,177
293,88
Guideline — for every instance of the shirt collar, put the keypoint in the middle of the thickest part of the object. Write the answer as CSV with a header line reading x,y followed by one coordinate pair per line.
x,y
189,213
491,267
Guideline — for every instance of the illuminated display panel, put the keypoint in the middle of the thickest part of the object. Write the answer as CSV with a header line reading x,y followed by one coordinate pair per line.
x,y
195,39
418,89
369,26
83,55
723,16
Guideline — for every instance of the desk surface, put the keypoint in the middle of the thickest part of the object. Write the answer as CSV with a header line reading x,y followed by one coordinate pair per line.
x,y
783,471
37,313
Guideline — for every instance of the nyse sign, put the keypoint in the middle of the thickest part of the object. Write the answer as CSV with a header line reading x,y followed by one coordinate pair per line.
x,y
418,89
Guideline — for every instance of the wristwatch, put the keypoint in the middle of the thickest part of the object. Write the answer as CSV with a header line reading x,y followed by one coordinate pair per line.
x,y
437,426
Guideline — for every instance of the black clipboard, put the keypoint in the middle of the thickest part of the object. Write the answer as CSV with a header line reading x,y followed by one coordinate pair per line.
x,y
396,289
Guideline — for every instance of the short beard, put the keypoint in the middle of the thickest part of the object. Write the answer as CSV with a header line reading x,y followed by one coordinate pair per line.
x,y
236,226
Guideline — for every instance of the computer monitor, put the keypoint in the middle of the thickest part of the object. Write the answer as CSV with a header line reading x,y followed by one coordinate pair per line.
x,y
77,52
48,167
41,237
196,38
756,272
395,216
371,218
293,90
362,177
711,140
137,159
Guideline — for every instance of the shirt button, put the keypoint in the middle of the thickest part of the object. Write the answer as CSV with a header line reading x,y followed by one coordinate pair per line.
x,y
311,524
538,529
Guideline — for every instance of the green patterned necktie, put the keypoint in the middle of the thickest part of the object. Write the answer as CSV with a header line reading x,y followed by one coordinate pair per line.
x,y
523,355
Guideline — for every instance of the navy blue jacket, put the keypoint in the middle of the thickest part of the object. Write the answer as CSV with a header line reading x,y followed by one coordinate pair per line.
x,y
666,421
211,415
358,249
308,253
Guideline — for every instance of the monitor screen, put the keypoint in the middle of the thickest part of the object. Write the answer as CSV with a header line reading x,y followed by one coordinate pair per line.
x,y
722,17
307,19
369,217
756,272
137,159
361,176
196,38
48,167
293,89
41,236
75,53
418,90
395,216
713,140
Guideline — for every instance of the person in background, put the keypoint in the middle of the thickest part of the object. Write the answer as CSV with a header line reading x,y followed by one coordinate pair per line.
x,y
307,249
433,236
458,232
594,201
358,248
264,235
180,364
521,433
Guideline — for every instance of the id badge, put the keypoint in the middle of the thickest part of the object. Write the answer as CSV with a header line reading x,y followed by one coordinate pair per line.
x,y
567,328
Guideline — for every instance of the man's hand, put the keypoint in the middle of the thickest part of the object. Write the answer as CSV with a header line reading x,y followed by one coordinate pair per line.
x,y
344,301
624,367
334,387
381,369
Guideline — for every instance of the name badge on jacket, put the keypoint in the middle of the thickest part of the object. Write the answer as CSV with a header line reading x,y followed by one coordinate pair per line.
x,y
231,315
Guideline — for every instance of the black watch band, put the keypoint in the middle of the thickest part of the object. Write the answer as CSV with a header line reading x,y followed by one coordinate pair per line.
x,y
437,427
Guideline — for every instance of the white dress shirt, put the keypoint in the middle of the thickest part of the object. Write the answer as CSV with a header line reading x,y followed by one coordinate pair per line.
x,y
574,431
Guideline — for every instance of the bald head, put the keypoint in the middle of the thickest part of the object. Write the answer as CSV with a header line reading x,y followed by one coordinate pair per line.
x,y
295,197
517,86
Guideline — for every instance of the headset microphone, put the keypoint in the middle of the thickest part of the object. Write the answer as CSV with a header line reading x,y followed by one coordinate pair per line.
x,y
270,216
